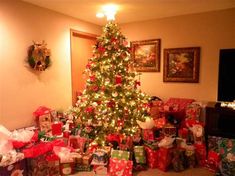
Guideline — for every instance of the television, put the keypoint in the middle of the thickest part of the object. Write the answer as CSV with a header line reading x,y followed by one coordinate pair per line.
x,y
226,82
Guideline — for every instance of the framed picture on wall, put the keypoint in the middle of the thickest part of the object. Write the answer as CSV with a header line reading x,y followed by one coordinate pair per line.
x,y
146,55
181,64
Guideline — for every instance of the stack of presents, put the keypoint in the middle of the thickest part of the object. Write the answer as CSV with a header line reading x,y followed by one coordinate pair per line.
x,y
173,138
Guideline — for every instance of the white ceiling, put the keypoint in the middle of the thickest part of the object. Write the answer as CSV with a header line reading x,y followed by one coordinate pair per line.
x,y
133,10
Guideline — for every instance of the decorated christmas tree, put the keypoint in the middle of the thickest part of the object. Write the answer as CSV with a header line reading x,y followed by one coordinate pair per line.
x,y
111,102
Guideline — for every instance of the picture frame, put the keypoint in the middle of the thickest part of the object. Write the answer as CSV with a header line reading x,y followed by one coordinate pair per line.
x,y
146,55
181,64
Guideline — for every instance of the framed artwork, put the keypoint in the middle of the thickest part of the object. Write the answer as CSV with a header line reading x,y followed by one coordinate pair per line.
x,y
181,64
146,55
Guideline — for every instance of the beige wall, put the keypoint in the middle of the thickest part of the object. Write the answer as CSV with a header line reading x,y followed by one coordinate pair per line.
x,y
21,90
211,31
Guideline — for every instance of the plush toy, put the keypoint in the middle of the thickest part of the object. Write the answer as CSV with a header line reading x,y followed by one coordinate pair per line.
x,y
43,118
148,124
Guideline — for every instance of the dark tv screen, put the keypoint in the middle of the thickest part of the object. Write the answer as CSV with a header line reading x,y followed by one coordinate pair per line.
x,y
226,84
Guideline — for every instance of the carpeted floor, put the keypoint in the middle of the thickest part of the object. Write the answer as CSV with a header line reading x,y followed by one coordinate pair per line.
x,y
157,172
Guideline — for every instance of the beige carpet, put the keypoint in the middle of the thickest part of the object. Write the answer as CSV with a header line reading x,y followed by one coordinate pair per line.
x,y
157,172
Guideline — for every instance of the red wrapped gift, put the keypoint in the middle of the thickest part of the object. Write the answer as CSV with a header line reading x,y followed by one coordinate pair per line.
x,y
212,162
200,150
164,158
67,168
53,163
36,158
183,133
160,122
120,167
152,157
148,135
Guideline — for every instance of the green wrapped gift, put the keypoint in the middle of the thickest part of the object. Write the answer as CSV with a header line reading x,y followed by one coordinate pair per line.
x,y
120,154
226,146
139,154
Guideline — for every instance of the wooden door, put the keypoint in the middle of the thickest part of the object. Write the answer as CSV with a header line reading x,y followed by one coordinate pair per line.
x,y
81,51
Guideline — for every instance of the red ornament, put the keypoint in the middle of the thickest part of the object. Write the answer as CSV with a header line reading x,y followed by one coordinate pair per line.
x,y
118,79
125,43
95,88
89,109
92,78
111,104
137,83
101,49
88,66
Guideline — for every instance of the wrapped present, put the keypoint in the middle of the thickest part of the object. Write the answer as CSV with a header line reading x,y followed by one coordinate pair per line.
x,y
16,168
37,166
67,168
36,158
200,151
10,158
190,157
100,169
148,134
77,142
100,157
53,164
213,143
160,122
120,167
126,143
164,158
178,159
86,159
77,157
139,154
83,168
193,111
183,133
120,154
212,162
227,167
226,146
152,157
169,130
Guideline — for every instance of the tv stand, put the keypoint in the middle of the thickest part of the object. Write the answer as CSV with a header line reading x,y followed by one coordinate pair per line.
x,y
219,121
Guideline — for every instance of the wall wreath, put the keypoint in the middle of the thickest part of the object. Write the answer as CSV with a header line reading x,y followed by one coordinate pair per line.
x,y
39,56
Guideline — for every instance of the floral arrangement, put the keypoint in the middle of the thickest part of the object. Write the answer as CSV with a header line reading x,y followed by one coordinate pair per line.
x,y
39,56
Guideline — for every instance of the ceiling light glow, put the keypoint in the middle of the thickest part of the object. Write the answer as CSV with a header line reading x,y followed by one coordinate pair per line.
x,y
109,11
100,15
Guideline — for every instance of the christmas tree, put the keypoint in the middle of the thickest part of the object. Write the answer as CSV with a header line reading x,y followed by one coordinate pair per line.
x,y
111,102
